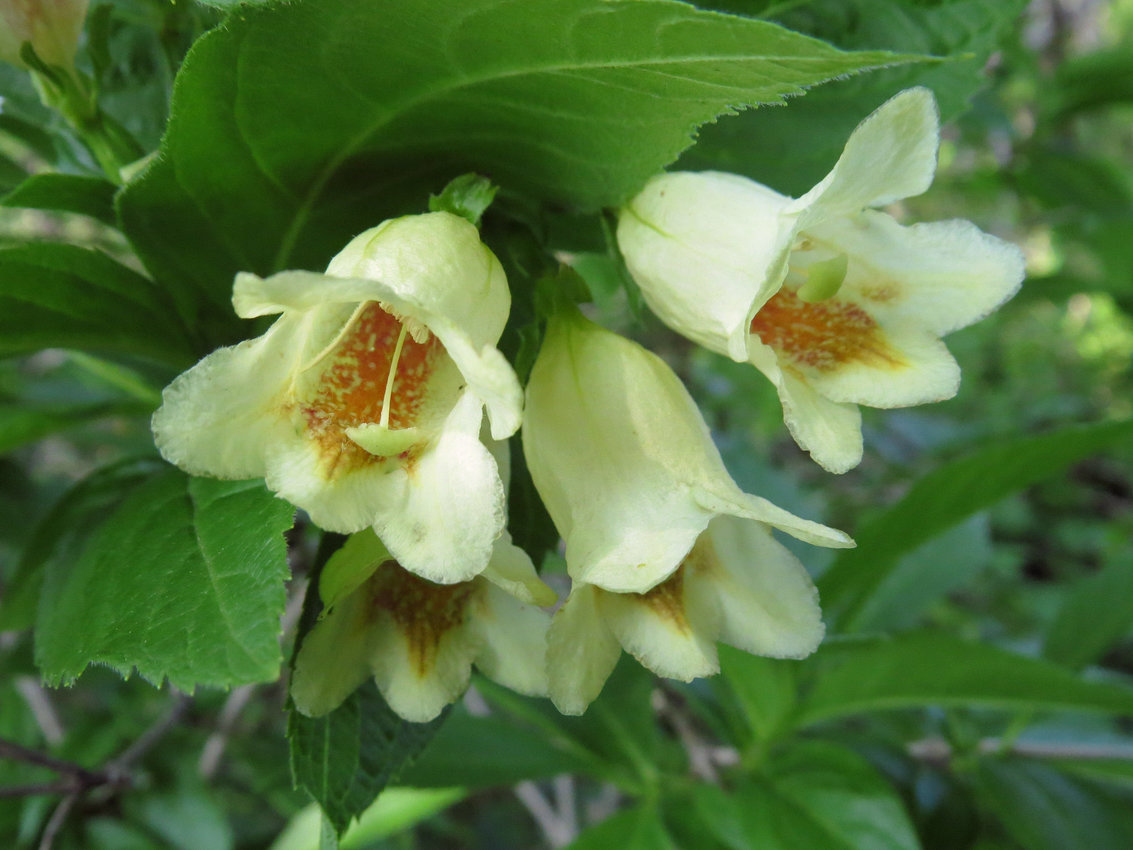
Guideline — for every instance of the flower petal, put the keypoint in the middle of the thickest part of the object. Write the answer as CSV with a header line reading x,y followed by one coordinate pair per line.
x,y
491,378
513,641
889,156
441,513
768,603
217,418
830,431
740,504
923,371
671,629
254,296
422,652
420,692
510,569
613,442
434,268
581,651
707,249
348,568
943,275
334,657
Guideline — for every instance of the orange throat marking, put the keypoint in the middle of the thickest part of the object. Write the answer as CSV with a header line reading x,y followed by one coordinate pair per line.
x,y
667,600
421,610
351,390
823,335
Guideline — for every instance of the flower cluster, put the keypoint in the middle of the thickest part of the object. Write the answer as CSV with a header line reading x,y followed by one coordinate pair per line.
x,y
364,404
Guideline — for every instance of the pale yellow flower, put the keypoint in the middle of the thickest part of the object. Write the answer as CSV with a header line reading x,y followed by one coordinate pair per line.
x,y
417,639
627,469
737,585
835,302
363,403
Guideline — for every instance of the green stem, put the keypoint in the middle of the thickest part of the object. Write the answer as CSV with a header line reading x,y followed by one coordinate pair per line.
x,y
74,96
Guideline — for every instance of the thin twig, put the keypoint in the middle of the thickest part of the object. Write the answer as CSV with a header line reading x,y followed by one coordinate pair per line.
x,y
61,786
41,708
939,752
17,752
558,831
58,818
152,735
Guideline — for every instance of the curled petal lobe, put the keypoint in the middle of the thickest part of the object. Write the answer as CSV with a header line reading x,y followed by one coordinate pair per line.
x,y
891,155
581,651
942,275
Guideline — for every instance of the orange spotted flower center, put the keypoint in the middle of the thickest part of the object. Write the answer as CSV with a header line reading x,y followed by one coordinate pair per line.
x,y
352,390
822,335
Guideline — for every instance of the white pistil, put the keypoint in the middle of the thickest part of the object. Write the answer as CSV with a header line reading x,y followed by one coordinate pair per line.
x,y
388,397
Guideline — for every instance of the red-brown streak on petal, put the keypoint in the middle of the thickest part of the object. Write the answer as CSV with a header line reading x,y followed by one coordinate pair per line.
x,y
352,389
421,610
823,335
667,600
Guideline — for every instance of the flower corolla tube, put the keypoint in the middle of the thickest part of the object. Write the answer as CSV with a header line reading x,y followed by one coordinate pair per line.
x,y
417,639
665,552
362,404
835,302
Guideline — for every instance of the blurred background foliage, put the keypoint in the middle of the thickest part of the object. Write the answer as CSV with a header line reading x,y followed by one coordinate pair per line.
x,y
974,690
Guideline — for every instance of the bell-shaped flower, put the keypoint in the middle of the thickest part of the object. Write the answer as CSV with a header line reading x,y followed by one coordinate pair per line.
x,y
417,639
362,403
624,462
737,585
836,303
52,27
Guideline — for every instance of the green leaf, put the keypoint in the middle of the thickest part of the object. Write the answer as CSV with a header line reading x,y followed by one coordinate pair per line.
x,y
945,497
617,738
90,196
183,581
822,795
187,820
926,574
1095,614
11,173
395,810
924,668
764,687
1098,79
345,758
1043,809
63,296
505,753
639,828
63,533
275,156
792,149
467,196
29,134
25,422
